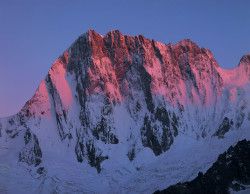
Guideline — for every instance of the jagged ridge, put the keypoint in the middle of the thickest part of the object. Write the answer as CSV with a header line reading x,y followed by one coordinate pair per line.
x,y
129,93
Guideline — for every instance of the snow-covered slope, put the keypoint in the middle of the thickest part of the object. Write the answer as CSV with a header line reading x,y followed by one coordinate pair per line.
x,y
127,114
230,173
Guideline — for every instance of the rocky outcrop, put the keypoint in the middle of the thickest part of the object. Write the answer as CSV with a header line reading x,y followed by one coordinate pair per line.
x,y
32,153
158,132
224,127
231,171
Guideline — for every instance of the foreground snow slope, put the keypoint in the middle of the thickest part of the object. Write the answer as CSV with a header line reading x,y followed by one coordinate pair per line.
x,y
122,113
230,173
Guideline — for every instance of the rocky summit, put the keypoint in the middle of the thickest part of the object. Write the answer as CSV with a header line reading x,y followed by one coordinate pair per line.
x,y
125,114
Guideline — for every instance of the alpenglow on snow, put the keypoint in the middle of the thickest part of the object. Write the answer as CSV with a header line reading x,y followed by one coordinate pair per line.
x,y
124,114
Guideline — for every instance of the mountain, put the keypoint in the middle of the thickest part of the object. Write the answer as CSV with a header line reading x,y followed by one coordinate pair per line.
x,y
231,172
127,114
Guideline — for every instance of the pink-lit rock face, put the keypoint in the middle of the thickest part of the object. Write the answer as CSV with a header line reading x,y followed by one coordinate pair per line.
x,y
57,75
182,73
117,109
39,104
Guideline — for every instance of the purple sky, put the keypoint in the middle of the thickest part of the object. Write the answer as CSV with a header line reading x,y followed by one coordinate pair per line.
x,y
34,33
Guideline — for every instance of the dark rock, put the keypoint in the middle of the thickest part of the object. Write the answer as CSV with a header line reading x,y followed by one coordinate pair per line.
x,y
70,136
56,101
230,171
14,135
148,137
150,131
11,121
31,153
240,116
167,139
79,150
8,131
146,82
113,139
40,170
37,149
107,108
27,137
157,52
37,161
138,106
94,161
60,126
223,128
161,114
103,132
175,119
131,154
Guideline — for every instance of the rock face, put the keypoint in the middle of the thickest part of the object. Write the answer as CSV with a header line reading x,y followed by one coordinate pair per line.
x,y
31,154
122,98
231,171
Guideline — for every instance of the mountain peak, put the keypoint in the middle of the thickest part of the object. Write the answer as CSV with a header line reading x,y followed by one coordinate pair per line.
x,y
124,100
245,58
244,65
114,32
186,42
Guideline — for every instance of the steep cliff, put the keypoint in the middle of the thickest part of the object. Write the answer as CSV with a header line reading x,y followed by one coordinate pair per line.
x,y
120,104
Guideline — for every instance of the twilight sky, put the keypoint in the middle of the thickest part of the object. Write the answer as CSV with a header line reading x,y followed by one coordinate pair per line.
x,y
34,33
